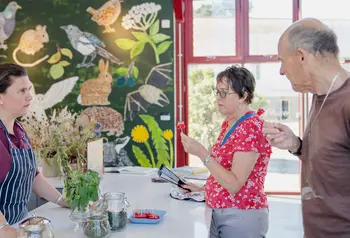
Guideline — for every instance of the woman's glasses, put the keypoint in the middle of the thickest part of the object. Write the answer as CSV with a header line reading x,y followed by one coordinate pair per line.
x,y
222,94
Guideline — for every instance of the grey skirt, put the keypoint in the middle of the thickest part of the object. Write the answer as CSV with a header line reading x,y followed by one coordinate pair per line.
x,y
236,223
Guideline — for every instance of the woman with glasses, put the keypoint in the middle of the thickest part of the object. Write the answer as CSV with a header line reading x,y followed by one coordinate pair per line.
x,y
237,161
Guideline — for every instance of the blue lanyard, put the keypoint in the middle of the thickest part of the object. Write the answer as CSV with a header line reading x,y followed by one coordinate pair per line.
x,y
234,127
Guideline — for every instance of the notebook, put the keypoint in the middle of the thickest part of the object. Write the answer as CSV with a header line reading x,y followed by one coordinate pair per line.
x,y
137,170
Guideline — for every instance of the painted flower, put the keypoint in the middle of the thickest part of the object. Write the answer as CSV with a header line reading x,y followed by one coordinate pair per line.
x,y
137,17
140,134
168,134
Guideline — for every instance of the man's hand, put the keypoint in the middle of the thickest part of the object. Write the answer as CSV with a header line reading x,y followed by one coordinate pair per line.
x,y
281,136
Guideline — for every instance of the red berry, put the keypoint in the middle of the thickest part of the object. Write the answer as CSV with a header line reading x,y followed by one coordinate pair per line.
x,y
260,112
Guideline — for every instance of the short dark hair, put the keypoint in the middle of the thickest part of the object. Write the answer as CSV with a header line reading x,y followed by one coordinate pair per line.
x,y
7,71
240,80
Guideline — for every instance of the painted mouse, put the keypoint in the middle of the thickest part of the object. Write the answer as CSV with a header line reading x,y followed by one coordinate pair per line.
x,y
31,42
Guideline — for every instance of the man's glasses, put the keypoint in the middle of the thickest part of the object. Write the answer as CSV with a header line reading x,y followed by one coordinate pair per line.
x,y
222,94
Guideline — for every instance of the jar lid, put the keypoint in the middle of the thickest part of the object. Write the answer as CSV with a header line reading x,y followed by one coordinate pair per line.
x,y
35,224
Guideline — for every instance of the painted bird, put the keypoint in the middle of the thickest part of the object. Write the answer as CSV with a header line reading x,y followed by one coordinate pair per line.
x,y
88,44
8,22
106,15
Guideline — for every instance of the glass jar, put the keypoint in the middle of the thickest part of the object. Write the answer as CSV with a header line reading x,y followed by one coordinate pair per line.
x,y
97,226
35,227
117,205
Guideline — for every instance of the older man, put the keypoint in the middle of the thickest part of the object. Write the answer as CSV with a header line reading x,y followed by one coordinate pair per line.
x,y
309,52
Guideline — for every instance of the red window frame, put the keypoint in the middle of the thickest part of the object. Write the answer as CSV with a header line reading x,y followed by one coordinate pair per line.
x,y
184,56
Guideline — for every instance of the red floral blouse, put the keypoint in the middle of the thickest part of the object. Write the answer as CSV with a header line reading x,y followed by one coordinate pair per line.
x,y
246,137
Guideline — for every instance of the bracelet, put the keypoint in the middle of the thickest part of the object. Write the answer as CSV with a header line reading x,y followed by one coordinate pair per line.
x,y
206,160
4,225
59,200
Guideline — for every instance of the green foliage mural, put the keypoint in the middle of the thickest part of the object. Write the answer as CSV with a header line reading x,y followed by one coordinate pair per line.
x,y
131,39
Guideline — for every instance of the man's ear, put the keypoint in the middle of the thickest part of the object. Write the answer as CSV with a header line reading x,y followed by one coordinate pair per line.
x,y
302,55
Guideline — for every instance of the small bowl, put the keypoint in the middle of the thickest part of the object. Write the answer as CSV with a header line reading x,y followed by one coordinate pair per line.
x,y
159,213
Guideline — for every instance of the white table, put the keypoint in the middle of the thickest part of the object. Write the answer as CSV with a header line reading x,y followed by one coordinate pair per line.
x,y
184,219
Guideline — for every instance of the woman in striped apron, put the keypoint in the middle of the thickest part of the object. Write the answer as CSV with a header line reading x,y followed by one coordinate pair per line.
x,y
18,172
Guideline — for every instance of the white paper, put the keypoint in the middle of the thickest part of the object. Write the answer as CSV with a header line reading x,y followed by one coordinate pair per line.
x,y
95,155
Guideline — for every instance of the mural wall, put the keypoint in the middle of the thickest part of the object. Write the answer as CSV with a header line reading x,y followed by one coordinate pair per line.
x,y
107,60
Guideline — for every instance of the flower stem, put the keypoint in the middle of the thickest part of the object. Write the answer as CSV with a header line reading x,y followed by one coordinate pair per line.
x,y
153,18
154,49
151,154
171,153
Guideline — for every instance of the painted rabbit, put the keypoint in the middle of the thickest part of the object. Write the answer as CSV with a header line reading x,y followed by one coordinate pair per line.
x,y
96,91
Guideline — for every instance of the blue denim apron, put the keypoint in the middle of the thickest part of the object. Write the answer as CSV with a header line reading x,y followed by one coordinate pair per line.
x,y
16,188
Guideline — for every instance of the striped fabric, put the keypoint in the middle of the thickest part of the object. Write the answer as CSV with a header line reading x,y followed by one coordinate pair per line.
x,y
16,188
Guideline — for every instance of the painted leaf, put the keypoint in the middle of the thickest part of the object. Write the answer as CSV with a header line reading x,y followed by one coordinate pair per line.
x,y
64,63
164,46
141,36
154,29
141,157
135,72
158,140
125,44
54,58
121,71
67,52
137,49
56,71
159,38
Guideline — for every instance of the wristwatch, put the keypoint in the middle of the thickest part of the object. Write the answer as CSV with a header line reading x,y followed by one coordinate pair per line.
x,y
300,149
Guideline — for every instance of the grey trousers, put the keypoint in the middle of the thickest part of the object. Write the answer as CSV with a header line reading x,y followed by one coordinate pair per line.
x,y
236,223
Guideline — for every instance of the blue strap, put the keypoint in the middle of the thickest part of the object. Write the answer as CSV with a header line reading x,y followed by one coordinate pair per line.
x,y
234,127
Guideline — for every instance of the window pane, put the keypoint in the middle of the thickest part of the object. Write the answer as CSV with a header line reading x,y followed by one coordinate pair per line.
x,y
274,93
203,116
268,19
214,28
336,15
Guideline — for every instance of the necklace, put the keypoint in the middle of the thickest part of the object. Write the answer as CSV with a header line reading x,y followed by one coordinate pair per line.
x,y
309,192
324,100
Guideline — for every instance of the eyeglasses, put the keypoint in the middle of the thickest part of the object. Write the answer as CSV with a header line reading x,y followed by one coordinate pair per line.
x,y
222,94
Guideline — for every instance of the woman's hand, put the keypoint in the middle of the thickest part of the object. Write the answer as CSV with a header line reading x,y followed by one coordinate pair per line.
x,y
8,232
193,147
193,187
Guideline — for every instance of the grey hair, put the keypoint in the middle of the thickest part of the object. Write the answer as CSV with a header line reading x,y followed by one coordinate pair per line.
x,y
314,40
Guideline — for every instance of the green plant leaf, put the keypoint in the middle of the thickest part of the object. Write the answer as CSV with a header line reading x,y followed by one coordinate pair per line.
x,y
135,72
158,140
121,71
54,58
56,71
154,29
159,38
162,47
137,49
141,36
81,188
125,44
141,157
67,52
64,63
